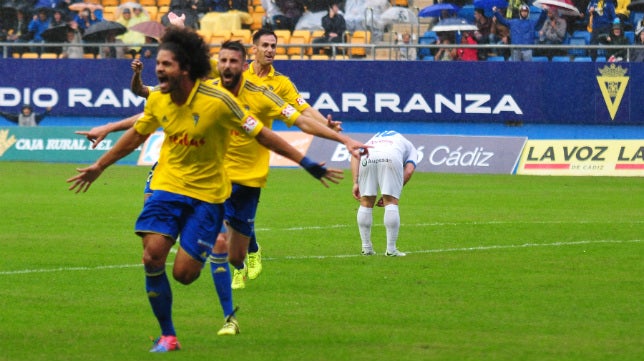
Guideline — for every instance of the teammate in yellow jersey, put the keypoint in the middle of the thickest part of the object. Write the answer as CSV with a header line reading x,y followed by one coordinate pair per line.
x,y
190,183
246,161
261,71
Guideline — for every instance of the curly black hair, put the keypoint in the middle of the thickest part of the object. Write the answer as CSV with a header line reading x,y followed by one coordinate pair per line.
x,y
189,49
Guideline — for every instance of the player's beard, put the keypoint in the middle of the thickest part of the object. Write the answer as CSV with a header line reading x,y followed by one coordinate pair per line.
x,y
230,80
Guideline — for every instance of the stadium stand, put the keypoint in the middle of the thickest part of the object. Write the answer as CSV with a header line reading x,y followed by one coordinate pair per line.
x,y
299,37
357,38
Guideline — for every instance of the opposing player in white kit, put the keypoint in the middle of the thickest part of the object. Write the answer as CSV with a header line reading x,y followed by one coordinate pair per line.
x,y
388,167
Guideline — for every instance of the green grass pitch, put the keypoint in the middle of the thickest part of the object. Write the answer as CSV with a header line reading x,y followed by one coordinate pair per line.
x,y
499,268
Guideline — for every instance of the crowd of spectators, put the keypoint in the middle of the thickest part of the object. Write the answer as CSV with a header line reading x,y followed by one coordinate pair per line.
x,y
606,22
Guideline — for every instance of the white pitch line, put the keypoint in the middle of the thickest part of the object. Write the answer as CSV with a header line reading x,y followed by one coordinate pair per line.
x,y
442,224
443,250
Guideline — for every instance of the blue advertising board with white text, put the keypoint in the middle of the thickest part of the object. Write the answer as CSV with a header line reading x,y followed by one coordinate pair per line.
x,y
374,91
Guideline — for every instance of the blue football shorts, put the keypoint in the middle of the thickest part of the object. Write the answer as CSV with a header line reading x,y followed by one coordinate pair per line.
x,y
172,214
241,208
148,180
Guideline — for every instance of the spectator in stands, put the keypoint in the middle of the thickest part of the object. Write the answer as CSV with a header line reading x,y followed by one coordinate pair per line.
x,y
499,34
74,47
111,51
408,51
130,37
292,10
138,15
553,32
149,51
187,8
334,28
467,54
522,30
58,19
26,118
86,18
17,31
483,35
272,11
601,14
637,54
37,25
206,6
615,38
444,53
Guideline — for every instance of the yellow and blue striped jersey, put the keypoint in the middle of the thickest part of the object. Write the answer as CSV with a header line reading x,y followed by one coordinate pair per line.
x,y
279,84
247,162
191,160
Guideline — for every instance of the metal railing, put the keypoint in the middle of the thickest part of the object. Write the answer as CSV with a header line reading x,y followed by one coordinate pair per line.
x,y
381,51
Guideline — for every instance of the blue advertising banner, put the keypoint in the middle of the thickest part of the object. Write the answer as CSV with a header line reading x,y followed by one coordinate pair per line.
x,y
374,91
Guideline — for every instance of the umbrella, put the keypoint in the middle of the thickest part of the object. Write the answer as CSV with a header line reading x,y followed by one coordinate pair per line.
x,y
57,34
454,24
151,29
563,6
97,32
434,11
398,15
489,4
636,6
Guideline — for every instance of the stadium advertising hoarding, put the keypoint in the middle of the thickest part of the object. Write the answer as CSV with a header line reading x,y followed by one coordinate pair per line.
x,y
53,144
439,153
583,157
447,154
380,91
444,154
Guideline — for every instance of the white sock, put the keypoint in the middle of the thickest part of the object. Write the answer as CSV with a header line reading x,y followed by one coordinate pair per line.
x,y
392,225
365,219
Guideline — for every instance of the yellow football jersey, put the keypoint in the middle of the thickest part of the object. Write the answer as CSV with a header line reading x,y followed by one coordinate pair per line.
x,y
247,162
279,84
191,161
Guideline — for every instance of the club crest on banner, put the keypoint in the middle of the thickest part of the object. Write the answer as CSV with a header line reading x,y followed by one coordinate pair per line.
x,y
612,83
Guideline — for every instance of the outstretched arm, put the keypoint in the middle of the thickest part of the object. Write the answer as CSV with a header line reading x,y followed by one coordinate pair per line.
x,y
39,117
97,134
10,117
124,146
327,121
311,126
274,142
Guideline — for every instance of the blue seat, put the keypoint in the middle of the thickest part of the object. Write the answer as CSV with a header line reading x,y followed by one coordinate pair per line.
x,y
495,58
428,58
561,58
583,59
540,58
635,18
582,34
600,59
630,35
577,41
